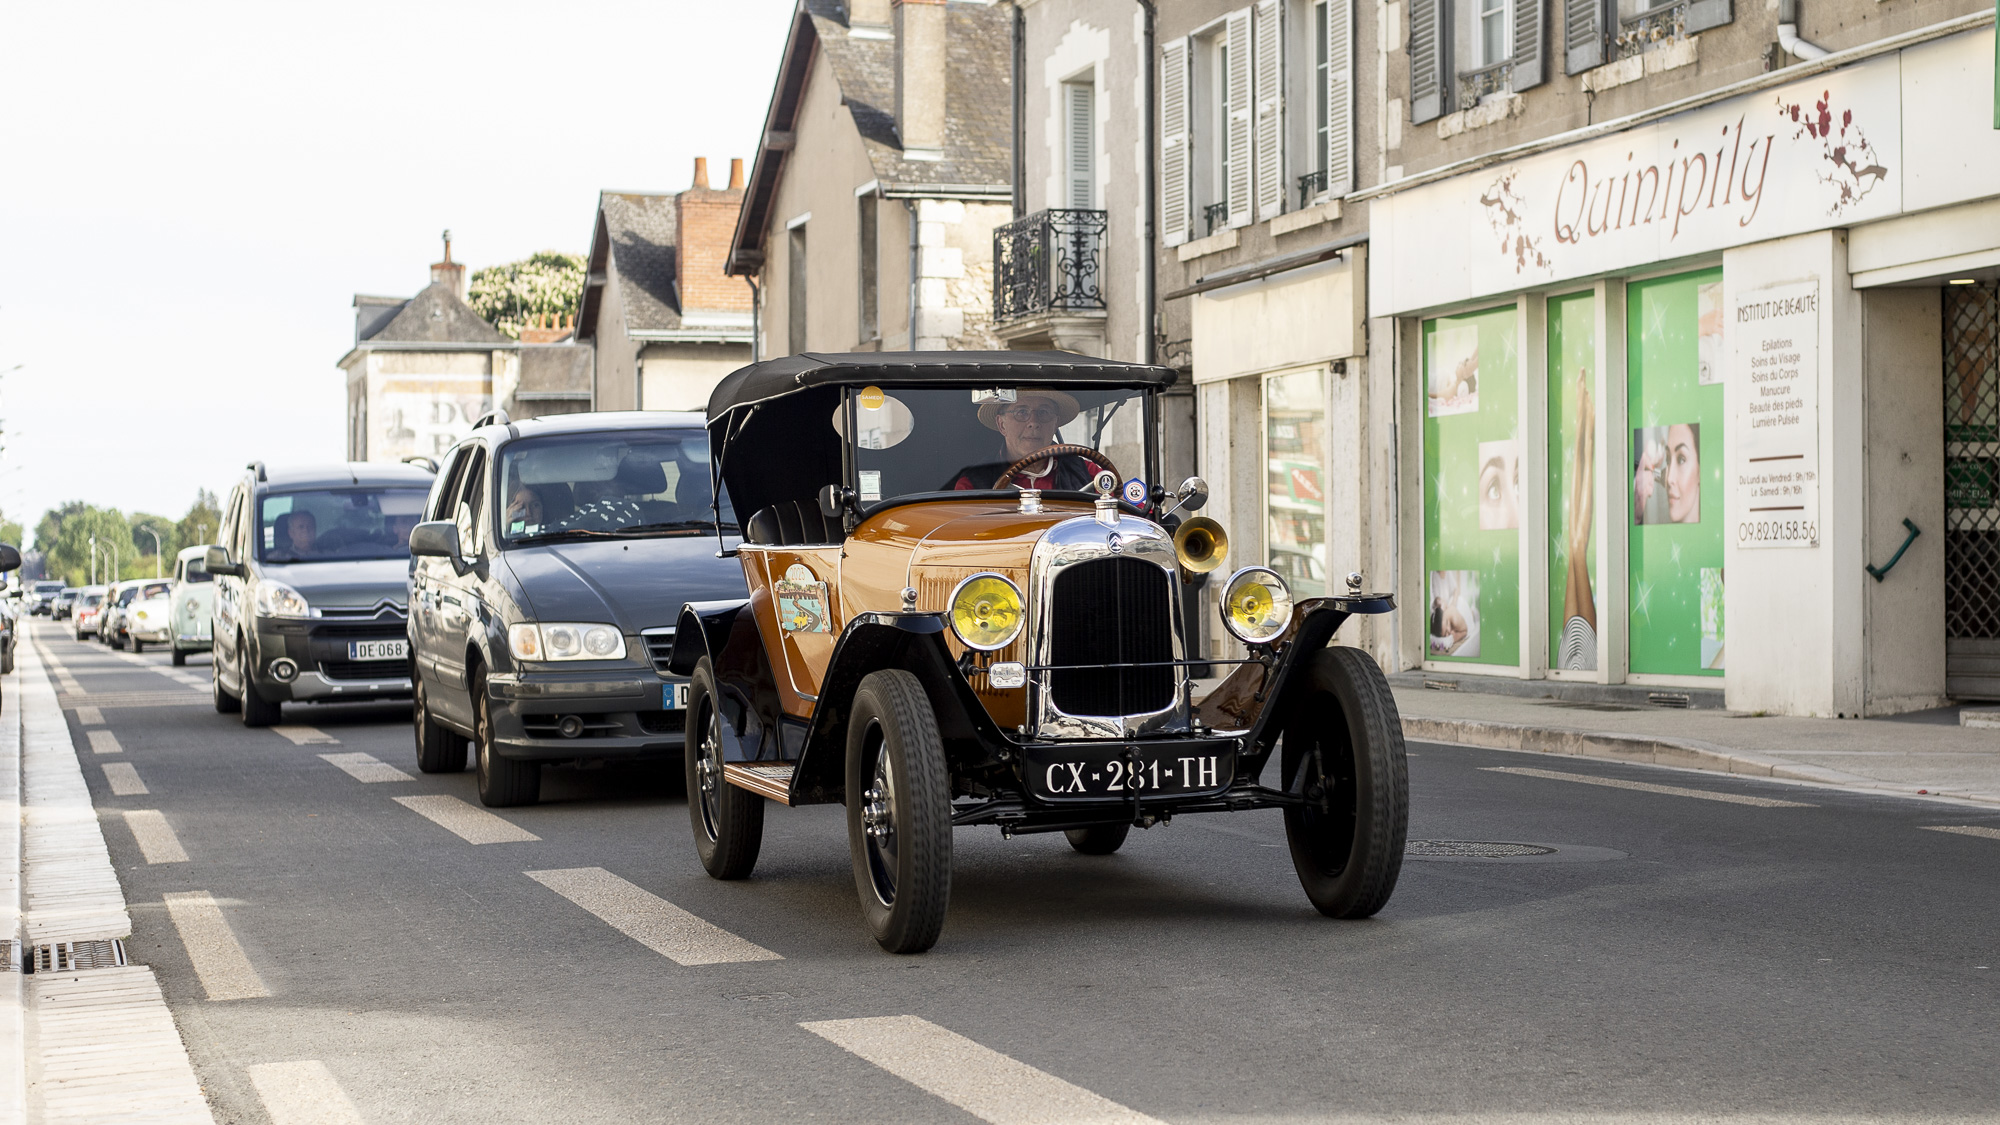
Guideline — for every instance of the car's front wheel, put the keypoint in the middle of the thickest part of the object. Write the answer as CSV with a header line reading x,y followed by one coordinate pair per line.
x,y
728,821
137,644
257,711
898,812
438,750
1343,752
503,782
225,703
179,656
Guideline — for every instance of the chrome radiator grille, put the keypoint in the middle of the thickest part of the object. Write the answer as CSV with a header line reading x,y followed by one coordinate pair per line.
x,y
1111,611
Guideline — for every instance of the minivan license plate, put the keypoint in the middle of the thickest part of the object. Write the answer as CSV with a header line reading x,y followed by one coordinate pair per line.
x,y
378,650
674,697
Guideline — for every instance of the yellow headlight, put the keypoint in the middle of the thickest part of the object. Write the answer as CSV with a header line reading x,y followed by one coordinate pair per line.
x,y
1256,604
986,612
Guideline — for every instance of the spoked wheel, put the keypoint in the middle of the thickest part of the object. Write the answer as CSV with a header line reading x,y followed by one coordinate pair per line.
x,y
1343,751
1098,839
438,750
728,821
503,782
898,812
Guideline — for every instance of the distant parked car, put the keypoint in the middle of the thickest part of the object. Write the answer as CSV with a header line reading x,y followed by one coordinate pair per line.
x,y
9,635
64,602
88,610
41,597
111,626
149,618
194,604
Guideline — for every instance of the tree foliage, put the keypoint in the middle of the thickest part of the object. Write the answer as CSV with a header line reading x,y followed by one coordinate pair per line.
x,y
514,294
64,536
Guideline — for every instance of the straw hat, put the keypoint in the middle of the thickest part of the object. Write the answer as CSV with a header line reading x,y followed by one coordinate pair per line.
x,y
1066,408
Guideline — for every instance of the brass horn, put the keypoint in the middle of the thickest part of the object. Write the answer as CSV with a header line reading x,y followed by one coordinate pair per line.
x,y
1200,544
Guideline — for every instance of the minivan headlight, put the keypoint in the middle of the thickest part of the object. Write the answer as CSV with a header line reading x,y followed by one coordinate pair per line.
x,y
275,599
565,640
986,612
1256,605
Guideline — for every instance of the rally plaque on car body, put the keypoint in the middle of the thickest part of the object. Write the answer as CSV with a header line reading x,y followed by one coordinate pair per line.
x,y
801,601
378,650
1122,772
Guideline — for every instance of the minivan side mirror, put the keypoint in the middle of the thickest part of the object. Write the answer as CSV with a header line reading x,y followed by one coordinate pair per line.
x,y
436,539
10,558
217,560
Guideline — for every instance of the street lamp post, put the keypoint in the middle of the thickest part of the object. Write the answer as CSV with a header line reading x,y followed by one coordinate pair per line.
x,y
156,550
93,560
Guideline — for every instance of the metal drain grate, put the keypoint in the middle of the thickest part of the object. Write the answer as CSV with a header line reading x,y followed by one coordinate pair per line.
x,y
1669,699
73,956
1473,849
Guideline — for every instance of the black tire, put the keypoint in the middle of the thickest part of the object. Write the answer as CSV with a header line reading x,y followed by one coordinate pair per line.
x,y
728,821
439,750
138,645
7,662
1343,748
503,782
1098,839
898,812
257,711
180,657
225,703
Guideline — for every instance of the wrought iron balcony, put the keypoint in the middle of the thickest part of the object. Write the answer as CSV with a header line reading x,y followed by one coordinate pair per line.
x,y
1311,184
1661,24
1476,84
1050,261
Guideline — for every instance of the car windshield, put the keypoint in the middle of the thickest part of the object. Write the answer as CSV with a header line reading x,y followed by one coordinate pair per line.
x,y
912,440
126,595
48,587
153,590
196,570
627,483
338,523
92,599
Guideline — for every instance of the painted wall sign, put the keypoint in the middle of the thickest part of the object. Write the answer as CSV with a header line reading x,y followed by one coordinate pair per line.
x,y
1774,408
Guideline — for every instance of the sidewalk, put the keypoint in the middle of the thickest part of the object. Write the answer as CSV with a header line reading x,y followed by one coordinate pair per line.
x,y
1911,755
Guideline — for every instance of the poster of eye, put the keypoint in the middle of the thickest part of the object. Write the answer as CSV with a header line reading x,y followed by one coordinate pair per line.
x,y
1472,489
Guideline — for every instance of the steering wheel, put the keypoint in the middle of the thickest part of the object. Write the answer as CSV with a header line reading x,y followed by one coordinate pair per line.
x,y
1050,453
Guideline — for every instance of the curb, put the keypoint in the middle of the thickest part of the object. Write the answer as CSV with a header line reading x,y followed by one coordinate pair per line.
x,y
1679,753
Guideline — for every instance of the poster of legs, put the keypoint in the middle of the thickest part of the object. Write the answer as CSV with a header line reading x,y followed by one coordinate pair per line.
x,y
1674,405
1472,488
1573,598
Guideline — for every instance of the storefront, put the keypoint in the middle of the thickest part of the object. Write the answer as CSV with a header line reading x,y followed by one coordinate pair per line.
x,y
1679,394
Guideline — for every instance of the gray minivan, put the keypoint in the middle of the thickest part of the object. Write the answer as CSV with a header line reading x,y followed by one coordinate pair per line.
x,y
311,586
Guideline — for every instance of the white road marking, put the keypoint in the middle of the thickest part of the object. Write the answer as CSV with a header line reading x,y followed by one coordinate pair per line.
x,y
366,768
472,824
1649,787
218,957
305,736
124,779
108,1050
976,1079
650,920
104,742
302,1093
157,841
90,716
1964,830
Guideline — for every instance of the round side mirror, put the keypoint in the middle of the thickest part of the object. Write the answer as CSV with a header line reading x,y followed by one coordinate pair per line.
x,y
1192,494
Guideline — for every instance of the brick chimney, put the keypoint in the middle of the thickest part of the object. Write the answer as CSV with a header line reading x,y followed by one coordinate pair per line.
x,y
705,220
449,272
920,66
549,328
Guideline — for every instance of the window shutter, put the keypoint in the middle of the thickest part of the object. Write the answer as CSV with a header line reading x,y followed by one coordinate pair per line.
x,y
1270,111
1238,127
1704,14
1175,216
1082,145
1426,51
1530,69
1584,25
1339,97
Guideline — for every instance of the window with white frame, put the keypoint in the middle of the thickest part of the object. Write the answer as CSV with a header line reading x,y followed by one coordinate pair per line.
x,y
1080,144
1316,47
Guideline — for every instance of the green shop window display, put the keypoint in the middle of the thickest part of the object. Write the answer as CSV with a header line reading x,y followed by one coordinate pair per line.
x,y
1574,599
1472,488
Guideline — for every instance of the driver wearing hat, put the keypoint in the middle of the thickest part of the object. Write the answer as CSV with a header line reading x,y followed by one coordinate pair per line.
x,y
1027,426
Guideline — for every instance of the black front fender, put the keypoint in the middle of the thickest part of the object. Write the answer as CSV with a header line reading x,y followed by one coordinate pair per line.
x,y
702,630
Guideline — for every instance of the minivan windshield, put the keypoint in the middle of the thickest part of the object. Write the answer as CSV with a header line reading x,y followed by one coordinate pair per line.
x,y
337,524
628,483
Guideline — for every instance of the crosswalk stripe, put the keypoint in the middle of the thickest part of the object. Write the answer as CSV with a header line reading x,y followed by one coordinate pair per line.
x,y
90,716
473,825
366,768
219,960
650,920
104,742
157,841
302,1093
124,780
979,1080
1649,787
1965,830
305,736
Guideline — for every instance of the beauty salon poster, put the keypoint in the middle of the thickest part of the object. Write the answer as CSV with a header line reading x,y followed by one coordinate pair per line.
x,y
1472,489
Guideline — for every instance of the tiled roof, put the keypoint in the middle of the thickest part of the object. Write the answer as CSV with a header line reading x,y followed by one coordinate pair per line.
x,y
640,227
437,316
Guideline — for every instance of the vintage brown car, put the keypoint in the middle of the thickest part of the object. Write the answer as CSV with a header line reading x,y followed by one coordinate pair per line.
x,y
966,608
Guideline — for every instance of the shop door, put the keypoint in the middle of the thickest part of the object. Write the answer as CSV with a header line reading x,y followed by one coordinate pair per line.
x,y
1972,490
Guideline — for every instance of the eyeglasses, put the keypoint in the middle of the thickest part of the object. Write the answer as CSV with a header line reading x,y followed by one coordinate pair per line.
x,y
1030,413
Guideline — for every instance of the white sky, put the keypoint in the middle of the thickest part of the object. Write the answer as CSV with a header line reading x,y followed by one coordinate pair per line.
x,y
192,193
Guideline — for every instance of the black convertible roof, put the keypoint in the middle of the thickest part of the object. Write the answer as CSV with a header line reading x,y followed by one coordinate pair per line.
x,y
773,378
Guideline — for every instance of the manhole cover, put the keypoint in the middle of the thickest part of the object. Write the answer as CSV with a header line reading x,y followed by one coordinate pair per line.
x,y
1472,849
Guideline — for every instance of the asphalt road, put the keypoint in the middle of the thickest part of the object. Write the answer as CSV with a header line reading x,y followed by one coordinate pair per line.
x,y
1676,957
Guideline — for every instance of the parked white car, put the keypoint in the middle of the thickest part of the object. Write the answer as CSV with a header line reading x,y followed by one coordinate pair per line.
x,y
194,603
88,611
149,617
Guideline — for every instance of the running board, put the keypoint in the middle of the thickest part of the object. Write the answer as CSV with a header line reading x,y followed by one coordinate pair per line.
x,y
773,780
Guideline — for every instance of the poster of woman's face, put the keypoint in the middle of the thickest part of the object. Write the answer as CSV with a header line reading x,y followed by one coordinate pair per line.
x,y
1499,485
1454,374
1454,613
1666,473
